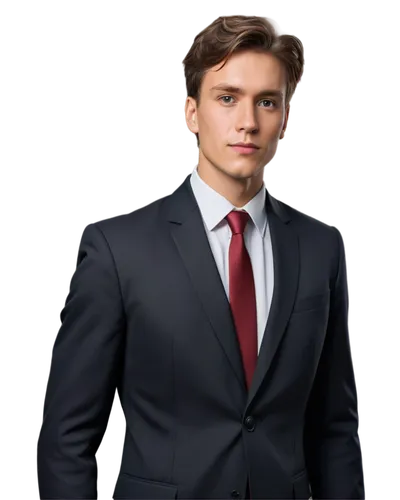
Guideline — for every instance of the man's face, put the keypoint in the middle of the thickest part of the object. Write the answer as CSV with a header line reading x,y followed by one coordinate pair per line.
x,y
225,117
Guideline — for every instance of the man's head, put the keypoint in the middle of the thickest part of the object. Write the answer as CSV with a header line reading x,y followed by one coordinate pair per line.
x,y
243,52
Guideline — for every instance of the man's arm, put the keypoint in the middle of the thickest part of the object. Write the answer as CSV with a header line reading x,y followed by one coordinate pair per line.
x,y
85,368
331,442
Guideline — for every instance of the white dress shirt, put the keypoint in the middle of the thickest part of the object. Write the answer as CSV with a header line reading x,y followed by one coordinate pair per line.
x,y
214,207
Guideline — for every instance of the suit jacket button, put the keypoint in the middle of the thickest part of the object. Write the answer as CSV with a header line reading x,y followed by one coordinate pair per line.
x,y
235,494
250,423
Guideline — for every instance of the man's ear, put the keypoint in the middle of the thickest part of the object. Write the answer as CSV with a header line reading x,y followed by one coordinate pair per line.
x,y
285,122
191,114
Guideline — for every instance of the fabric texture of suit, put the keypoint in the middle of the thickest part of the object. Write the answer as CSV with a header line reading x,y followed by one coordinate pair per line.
x,y
147,314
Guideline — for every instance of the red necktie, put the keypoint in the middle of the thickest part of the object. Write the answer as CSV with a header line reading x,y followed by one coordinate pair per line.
x,y
242,294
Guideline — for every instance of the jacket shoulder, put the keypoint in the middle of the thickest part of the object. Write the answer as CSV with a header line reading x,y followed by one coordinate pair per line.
x,y
137,220
305,221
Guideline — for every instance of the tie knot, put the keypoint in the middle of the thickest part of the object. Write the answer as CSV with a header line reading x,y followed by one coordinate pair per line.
x,y
237,221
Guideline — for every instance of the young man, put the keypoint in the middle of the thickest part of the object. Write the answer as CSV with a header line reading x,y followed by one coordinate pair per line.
x,y
218,312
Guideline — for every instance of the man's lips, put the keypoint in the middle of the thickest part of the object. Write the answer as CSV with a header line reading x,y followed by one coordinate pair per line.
x,y
245,145
244,149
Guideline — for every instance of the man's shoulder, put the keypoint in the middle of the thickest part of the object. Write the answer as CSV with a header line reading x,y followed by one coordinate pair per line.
x,y
303,220
140,218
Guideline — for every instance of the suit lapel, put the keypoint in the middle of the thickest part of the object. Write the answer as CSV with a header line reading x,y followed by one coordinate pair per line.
x,y
188,233
285,252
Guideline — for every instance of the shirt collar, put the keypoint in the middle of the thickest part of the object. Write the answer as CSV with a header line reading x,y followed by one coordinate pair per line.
x,y
214,207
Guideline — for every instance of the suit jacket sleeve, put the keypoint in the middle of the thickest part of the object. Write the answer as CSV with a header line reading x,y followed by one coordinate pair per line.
x,y
84,373
331,442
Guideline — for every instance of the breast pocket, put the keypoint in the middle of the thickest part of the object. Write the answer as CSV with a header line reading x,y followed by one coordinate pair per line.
x,y
311,302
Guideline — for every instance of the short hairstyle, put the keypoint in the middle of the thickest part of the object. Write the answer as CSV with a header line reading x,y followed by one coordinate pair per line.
x,y
232,34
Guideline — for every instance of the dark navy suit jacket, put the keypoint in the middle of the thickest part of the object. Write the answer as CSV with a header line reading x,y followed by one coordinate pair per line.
x,y
147,314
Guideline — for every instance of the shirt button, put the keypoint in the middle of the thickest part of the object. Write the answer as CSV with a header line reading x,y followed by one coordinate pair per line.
x,y
249,423
235,494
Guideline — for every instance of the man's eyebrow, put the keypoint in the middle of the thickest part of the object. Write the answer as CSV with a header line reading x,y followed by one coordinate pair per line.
x,y
237,90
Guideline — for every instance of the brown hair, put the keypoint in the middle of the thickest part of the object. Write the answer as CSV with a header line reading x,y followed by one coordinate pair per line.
x,y
232,34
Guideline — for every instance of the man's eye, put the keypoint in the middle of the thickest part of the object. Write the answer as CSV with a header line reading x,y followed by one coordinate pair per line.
x,y
225,100
268,100
224,97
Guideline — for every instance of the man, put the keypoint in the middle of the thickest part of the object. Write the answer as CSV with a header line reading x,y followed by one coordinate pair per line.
x,y
220,315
